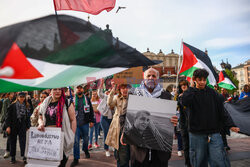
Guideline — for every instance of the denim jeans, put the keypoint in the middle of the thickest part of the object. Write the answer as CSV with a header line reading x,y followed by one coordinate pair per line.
x,y
84,132
96,127
203,152
179,140
105,123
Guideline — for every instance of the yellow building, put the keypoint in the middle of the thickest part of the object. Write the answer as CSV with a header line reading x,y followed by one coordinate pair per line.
x,y
247,71
242,73
167,68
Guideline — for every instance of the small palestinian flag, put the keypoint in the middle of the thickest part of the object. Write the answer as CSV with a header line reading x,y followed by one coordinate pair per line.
x,y
225,81
58,51
193,59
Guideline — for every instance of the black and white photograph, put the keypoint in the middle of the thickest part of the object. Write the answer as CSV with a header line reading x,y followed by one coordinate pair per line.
x,y
148,123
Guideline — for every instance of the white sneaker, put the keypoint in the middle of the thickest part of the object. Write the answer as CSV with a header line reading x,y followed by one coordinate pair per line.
x,y
179,153
107,153
6,155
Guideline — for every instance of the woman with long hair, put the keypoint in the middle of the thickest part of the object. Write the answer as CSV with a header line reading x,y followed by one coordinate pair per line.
x,y
107,115
17,123
183,124
35,115
120,102
95,100
55,112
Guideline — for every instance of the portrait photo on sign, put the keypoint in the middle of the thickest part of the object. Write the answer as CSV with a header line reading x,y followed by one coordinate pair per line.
x,y
148,123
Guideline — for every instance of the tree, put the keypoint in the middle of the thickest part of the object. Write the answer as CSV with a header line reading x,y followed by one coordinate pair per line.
x,y
233,79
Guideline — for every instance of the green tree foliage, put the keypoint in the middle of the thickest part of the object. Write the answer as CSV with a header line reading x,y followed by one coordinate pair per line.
x,y
233,79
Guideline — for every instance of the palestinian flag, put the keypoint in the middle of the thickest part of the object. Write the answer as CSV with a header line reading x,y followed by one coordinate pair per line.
x,y
52,52
225,81
193,59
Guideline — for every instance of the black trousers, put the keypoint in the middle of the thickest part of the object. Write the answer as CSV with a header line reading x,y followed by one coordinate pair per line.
x,y
63,161
185,144
154,162
20,131
8,144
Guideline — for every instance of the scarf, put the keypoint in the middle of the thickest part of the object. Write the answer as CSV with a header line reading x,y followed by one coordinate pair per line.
x,y
143,91
59,114
84,99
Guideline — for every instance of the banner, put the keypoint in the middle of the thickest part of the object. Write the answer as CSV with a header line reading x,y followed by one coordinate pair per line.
x,y
240,114
148,123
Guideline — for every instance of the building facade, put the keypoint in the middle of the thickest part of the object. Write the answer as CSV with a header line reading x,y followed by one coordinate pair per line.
x,y
242,73
247,71
167,68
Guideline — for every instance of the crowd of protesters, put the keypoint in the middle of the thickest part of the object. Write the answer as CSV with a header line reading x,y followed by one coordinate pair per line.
x,y
201,123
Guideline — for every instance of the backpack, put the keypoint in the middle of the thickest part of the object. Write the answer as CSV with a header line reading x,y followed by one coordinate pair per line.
x,y
68,102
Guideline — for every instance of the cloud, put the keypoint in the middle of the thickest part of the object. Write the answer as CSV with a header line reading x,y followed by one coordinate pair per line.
x,y
220,43
160,24
234,58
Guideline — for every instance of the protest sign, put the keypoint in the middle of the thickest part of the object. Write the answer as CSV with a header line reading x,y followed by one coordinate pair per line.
x,y
46,145
131,76
148,123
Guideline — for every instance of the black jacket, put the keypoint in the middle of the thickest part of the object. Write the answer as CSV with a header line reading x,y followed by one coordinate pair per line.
x,y
141,154
12,121
88,117
183,120
207,114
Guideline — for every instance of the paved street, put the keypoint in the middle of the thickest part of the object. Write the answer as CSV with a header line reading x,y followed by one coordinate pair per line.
x,y
239,155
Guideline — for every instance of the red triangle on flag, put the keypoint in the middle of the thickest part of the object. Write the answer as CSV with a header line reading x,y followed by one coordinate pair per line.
x,y
23,69
221,77
67,36
189,59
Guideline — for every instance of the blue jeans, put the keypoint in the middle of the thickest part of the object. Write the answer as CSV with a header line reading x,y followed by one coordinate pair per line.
x,y
179,140
96,127
201,151
105,123
84,132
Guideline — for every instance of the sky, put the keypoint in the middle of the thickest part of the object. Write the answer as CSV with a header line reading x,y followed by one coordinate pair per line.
x,y
220,26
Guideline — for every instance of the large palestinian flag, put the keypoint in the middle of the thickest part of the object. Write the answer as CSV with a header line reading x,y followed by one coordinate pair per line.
x,y
52,52
193,59
225,81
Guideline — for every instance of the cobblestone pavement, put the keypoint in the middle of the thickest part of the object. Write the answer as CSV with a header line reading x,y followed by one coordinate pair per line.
x,y
239,154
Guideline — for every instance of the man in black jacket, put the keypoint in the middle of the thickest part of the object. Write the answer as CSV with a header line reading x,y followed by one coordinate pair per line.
x,y
205,121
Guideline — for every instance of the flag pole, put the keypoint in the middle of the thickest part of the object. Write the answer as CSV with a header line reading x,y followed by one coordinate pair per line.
x,y
178,70
59,32
55,7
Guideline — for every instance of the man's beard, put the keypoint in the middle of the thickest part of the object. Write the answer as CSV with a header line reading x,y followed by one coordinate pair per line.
x,y
79,93
150,83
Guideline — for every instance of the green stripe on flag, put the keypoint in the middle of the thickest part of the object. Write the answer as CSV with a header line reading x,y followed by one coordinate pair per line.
x,y
226,86
189,72
13,87
83,50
